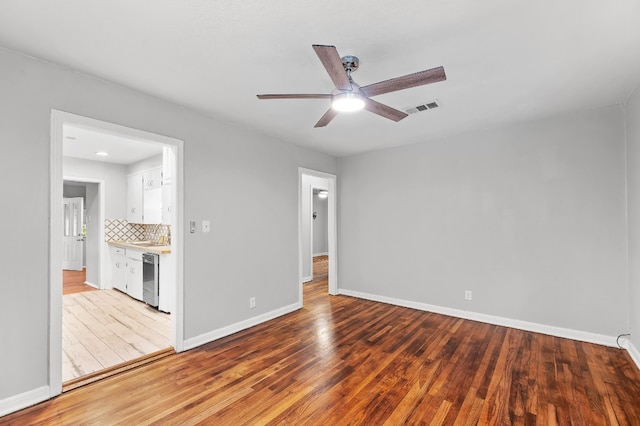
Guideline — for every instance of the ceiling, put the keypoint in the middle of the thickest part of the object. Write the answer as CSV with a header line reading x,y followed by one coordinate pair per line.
x,y
85,143
505,60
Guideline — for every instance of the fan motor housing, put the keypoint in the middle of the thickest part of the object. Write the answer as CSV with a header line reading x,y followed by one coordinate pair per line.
x,y
350,63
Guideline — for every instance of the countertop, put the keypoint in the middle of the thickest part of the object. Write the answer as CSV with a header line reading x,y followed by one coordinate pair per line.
x,y
151,248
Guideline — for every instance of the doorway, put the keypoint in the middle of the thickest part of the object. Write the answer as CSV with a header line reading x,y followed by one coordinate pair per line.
x,y
73,232
58,121
320,181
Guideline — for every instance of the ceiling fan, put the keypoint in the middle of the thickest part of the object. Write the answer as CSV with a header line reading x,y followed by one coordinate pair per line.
x,y
349,96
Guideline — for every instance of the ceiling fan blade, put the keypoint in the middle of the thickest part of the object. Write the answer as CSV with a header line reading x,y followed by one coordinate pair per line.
x,y
399,83
295,96
384,110
333,64
326,118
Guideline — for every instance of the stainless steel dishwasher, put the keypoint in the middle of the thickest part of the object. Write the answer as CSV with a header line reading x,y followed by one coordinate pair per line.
x,y
150,279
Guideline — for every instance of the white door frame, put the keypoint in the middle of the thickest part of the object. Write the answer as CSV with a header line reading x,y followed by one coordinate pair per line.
x,y
102,279
332,228
58,120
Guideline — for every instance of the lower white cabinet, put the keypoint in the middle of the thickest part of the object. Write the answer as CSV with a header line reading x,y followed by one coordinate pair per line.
x,y
126,271
119,268
127,276
134,274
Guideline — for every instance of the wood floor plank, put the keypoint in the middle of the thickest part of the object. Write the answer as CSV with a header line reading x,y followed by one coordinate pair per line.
x,y
341,360
112,328
74,282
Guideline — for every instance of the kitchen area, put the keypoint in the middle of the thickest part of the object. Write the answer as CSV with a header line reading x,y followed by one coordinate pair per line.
x,y
140,246
129,262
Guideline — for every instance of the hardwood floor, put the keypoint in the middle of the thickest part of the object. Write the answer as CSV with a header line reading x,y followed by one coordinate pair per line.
x,y
342,360
74,282
320,267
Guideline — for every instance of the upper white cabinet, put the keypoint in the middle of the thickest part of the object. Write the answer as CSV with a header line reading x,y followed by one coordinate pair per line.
x,y
152,179
135,208
166,204
144,197
168,165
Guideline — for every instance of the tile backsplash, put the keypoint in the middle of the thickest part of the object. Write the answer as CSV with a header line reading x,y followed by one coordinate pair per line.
x,y
121,230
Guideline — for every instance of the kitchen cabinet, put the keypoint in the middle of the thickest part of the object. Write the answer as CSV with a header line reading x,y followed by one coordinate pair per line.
x,y
152,206
144,197
152,179
119,268
167,196
168,165
135,209
134,274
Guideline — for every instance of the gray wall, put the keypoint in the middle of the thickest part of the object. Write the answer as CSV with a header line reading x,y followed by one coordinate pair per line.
x,y
92,246
228,171
320,225
114,177
530,217
74,189
633,188
146,164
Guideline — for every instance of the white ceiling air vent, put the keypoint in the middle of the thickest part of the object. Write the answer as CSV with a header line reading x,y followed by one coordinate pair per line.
x,y
423,107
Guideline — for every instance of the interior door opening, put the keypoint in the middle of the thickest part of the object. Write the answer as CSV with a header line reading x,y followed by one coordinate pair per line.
x,y
312,207
98,330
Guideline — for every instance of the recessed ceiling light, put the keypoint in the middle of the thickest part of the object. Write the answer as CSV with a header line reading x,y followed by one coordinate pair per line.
x,y
102,153
71,138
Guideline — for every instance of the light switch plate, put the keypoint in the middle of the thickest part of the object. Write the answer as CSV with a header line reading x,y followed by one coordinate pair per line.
x,y
192,226
206,226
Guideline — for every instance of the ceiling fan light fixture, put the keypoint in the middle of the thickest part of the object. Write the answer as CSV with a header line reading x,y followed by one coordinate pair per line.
x,y
347,102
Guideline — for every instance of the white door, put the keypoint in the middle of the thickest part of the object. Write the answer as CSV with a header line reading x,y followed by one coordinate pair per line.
x,y
72,235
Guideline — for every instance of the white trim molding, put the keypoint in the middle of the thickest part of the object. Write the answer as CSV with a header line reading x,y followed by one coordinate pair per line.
x,y
567,333
332,228
58,120
23,400
634,353
239,326
326,253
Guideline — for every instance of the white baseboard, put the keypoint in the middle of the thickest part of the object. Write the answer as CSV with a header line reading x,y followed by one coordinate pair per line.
x,y
306,279
567,333
92,285
239,326
24,400
633,351
326,253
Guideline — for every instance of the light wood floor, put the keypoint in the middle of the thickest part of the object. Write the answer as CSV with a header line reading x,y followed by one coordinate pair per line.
x,y
104,328
342,360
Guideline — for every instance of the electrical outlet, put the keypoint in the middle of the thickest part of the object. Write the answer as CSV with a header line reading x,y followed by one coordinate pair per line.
x,y
468,295
252,302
